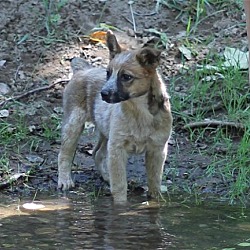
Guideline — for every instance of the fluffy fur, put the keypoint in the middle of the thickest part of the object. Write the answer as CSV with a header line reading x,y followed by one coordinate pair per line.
x,y
129,105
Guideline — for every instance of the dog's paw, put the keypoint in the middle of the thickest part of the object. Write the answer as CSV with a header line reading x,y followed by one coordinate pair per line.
x,y
155,195
65,182
120,199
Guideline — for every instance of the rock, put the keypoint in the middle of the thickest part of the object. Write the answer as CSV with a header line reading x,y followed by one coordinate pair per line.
x,y
34,159
4,88
4,113
2,62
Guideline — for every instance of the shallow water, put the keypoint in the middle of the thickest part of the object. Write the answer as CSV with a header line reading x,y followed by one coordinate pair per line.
x,y
80,223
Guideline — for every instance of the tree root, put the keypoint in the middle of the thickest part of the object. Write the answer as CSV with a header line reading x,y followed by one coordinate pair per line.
x,y
33,91
214,123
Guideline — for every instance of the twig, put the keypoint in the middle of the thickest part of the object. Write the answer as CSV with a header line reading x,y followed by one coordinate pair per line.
x,y
214,123
17,70
217,106
132,14
18,97
146,14
128,20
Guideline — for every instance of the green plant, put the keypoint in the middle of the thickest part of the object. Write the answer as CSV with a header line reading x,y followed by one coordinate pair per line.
x,y
195,11
51,130
12,134
226,99
52,14
4,164
163,37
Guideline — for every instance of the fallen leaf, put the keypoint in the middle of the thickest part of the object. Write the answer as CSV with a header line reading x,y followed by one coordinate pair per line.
x,y
4,88
186,52
207,67
164,189
235,58
98,37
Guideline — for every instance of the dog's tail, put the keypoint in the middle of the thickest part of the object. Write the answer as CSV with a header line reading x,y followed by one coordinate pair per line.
x,y
78,63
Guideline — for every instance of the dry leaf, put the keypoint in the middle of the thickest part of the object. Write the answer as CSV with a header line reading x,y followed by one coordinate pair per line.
x,y
98,37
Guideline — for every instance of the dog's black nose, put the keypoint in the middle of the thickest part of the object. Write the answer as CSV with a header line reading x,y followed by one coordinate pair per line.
x,y
105,94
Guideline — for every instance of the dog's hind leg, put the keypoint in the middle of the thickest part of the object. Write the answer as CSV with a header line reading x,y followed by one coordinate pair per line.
x,y
72,128
100,156
155,159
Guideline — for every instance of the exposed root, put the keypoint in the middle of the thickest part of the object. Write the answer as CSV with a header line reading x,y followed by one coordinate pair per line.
x,y
33,91
214,123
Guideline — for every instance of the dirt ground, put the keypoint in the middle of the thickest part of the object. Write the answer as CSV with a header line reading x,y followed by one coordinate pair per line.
x,y
31,59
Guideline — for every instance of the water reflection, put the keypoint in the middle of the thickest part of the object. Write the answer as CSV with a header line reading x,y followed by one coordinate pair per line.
x,y
79,223
120,228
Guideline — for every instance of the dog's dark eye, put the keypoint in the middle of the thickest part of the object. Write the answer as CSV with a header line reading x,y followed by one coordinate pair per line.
x,y
109,73
126,77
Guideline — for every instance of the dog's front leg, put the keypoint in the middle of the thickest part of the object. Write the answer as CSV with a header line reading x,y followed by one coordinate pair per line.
x,y
117,161
72,128
155,159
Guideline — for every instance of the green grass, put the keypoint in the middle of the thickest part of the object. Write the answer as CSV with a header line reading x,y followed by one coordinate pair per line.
x,y
53,14
226,99
51,130
18,139
197,11
12,133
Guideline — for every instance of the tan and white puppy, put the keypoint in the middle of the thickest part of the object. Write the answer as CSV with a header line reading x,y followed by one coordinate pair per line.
x,y
129,105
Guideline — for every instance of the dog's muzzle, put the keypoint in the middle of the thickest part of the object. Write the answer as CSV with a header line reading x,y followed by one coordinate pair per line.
x,y
107,96
112,97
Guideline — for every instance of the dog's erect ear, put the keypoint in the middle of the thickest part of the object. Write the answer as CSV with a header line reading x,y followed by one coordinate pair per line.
x,y
149,57
113,46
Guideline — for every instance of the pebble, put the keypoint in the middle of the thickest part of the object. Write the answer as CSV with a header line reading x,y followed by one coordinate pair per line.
x,y
2,62
177,89
4,88
4,113
96,59
34,158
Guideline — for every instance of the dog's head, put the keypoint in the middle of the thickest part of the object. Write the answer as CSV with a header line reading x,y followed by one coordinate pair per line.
x,y
129,73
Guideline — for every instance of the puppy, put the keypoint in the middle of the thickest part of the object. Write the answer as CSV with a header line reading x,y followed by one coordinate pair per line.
x,y
129,105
